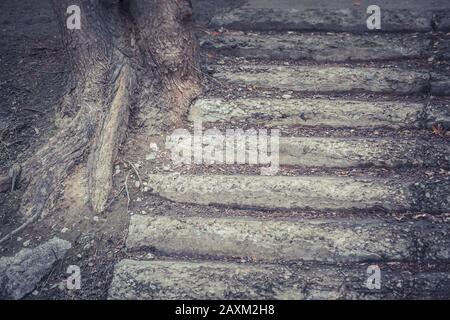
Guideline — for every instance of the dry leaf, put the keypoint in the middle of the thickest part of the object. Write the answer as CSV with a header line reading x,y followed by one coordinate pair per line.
x,y
438,130
214,33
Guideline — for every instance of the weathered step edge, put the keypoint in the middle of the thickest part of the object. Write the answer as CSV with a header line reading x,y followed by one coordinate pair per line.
x,y
318,152
346,153
346,20
337,47
178,280
320,112
326,79
440,84
304,192
292,241
443,21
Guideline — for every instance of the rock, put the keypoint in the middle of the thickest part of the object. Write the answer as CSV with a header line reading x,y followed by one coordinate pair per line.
x,y
20,274
150,156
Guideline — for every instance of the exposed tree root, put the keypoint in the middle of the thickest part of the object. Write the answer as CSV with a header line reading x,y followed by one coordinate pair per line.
x,y
110,135
105,60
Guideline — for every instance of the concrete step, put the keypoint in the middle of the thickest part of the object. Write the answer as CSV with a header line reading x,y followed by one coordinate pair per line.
x,y
320,79
440,84
302,192
330,152
274,112
345,153
335,47
322,15
292,240
441,50
178,280
443,21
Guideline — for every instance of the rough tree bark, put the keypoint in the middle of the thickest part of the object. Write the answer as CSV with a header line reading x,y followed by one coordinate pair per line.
x,y
119,42
167,37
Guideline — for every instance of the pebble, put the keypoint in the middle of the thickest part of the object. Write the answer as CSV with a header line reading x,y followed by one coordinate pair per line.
x,y
150,156
62,285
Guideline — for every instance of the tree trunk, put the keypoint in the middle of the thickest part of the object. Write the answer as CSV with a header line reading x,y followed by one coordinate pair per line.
x,y
166,36
120,42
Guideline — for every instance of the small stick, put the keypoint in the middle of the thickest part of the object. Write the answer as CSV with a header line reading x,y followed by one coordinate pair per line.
x,y
135,170
126,189
33,110
114,198
20,228
13,173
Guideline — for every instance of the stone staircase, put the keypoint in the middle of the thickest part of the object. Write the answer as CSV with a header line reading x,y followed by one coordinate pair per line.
x,y
363,103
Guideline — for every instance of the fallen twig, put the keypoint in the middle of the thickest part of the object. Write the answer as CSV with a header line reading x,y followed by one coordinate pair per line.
x,y
135,171
23,226
114,198
126,190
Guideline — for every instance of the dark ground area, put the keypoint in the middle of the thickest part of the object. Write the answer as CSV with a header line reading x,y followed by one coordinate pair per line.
x,y
34,69
32,81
